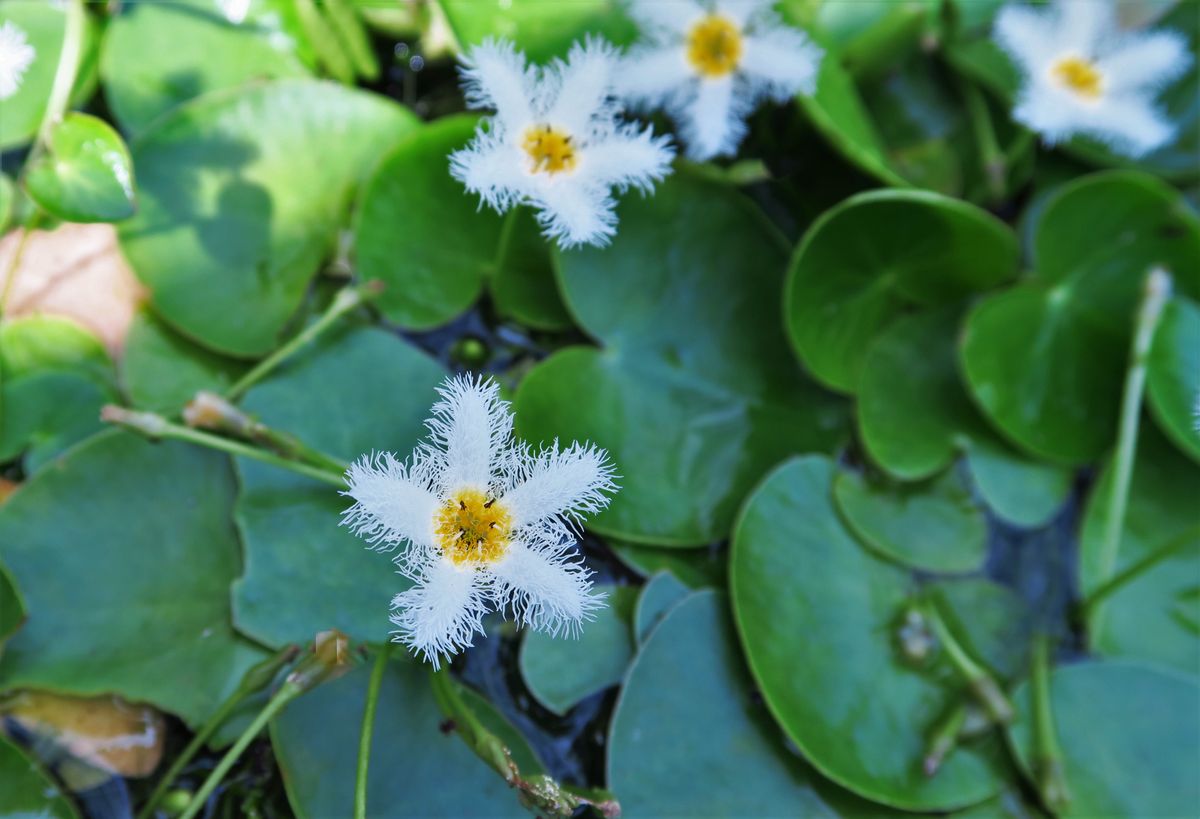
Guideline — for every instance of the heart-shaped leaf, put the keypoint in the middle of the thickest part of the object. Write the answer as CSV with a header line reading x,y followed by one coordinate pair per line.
x,y
660,594
694,393
86,174
1173,375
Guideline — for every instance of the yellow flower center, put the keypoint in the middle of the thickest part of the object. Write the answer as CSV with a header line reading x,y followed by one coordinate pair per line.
x,y
1079,75
472,529
714,46
551,149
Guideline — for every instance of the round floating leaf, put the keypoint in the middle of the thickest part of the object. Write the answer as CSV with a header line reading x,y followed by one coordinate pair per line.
x,y
111,608
228,234
1156,615
706,747
161,370
1128,738
207,52
34,344
661,592
837,111
1041,359
870,258
28,792
694,394
804,591
41,415
410,198
697,568
561,672
935,526
915,418
44,25
85,175
542,30
523,286
1173,375
356,391
417,769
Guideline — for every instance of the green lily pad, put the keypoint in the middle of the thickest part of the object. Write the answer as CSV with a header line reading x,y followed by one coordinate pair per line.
x,y
542,30
915,418
992,623
697,568
706,747
108,611
1128,737
354,392
836,110
661,592
410,198
44,25
228,235
560,672
34,344
86,174
161,370
143,80
805,591
1173,375
523,286
417,769
866,261
694,394
935,526
27,791
1155,616
1040,359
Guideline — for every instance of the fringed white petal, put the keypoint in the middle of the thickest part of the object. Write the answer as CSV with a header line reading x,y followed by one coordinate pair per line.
x,y
554,484
1085,27
575,214
544,589
495,75
714,122
632,157
747,12
493,168
1129,124
394,502
1026,34
781,63
1146,62
474,428
582,87
651,75
16,55
441,614
664,18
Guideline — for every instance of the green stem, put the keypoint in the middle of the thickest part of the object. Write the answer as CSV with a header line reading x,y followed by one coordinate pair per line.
x,y
255,679
155,427
1154,299
992,158
64,76
1137,569
346,300
1051,779
14,264
287,692
945,738
985,688
368,727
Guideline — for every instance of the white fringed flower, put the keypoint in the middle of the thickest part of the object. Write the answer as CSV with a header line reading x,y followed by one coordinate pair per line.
x,y
16,55
1083,75
709,63
555,142
483,523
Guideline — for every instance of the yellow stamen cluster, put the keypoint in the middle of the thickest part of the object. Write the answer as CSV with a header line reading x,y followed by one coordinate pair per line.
x,y
551,149
714,46
472,529
1079,75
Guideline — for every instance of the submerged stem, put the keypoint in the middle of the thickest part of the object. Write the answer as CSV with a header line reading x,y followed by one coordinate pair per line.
x,y
1154,299
155,426
1138,568
985,687
368,727
346,300
1051,779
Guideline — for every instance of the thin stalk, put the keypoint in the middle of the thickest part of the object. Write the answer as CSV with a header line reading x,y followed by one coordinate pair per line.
x,y
368,728
1154,299
1051,779
254,680
155,427
985,688
994,164
64,75
1137,569
287,692
945,738
346,300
